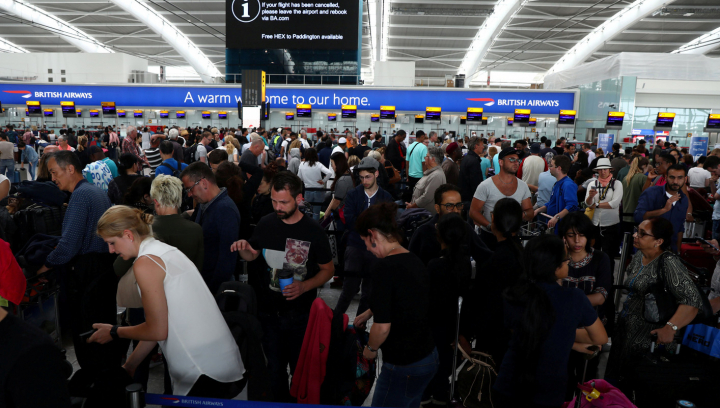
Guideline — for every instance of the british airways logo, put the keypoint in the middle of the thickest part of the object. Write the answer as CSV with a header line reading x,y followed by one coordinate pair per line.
x,y
490,101
517,102
173,400
26,95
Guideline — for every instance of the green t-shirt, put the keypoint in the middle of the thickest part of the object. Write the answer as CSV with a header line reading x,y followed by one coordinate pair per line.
x,y
415,158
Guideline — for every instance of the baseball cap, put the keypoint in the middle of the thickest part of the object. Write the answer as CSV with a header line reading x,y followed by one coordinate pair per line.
x,y
535,148
342,140
368,163
451,148
507,152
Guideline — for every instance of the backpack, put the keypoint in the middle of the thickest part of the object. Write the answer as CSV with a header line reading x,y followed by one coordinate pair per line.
x,y
189,154
175,171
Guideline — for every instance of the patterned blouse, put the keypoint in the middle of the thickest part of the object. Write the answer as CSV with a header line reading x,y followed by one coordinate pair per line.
x,y
632,334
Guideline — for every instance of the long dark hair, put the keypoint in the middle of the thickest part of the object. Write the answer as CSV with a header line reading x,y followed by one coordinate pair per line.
x,y
507,220
127,160
311,156
341,167
543,256
582,158
453,232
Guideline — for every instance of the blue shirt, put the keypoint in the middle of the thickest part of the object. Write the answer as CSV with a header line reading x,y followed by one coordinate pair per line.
x,y
79,229
164,170
484,165
496,163
29,155
546,181
654,198
415,158
563,197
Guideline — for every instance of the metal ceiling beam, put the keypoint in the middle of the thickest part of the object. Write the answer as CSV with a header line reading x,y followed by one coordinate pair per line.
x,y
492,27
701,45
453,3
537,3
548,29
45,20
618,23
174,37
431,36
643,43
440,26
7,46
426,48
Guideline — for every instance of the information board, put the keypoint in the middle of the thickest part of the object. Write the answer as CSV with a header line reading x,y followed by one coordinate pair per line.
x,y
698,146
605,142
258,24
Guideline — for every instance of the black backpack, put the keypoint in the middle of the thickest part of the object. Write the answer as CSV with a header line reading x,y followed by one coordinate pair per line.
x,y
175,171
189,154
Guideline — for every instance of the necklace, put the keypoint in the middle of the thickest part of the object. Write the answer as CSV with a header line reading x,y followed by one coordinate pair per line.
x,y
394,248
504,182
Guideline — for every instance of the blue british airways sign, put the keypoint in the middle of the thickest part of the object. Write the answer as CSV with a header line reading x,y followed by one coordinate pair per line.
x,y
366,98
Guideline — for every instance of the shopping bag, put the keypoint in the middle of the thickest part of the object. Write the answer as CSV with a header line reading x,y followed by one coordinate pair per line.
x,y
703,338
600,394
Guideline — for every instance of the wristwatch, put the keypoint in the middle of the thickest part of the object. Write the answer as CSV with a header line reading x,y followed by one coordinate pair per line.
x,y
372,350
675,328
114,333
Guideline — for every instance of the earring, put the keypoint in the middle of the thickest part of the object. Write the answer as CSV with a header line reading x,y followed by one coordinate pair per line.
x,y
373,245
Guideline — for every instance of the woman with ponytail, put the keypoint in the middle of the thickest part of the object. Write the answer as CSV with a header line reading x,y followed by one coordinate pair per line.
x,y
632,188
450,277
547,322
484,308
181,313
128,168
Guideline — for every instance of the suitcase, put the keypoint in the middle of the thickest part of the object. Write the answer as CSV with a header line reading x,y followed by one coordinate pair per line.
x,y
693,254
39,308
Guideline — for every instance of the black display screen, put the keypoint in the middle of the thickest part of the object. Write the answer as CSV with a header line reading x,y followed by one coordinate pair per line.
x,y
522,116
566,118
79,113
222,115
68,109
615,119
474,116
206,115
665,120
374,118
49,113
432,115
94,114
180,115
34,110
387,113
332,118
138,114
289,116
510,122
303,111
532,122
108,108
419,119
349,113
713,121
121,114
463,121
260,24
164,115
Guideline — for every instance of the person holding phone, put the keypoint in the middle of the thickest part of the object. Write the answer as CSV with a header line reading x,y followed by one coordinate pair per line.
x,y
604,196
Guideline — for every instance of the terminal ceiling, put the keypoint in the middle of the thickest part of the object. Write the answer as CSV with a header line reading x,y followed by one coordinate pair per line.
x,y
436,34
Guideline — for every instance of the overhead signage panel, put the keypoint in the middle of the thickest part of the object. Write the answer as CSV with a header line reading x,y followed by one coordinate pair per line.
x,y
227,97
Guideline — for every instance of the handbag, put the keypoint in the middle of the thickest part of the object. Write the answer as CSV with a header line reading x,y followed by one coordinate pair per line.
x,y
128,294
659,304
475,381
599,393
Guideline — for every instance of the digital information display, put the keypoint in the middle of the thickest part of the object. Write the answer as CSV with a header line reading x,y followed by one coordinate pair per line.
x,y
349,111
180,115
387,113
49,113
665,120
567,117
615,119
522,117
33,108
374,117
474,114
432,114
164,114
289,116
121,113
463,120
26,112
206,115
222,115
94,113
138,114
266,111
484,120
332,117
68,109
510,122
713,121
108,108
419,119
260,24
79,113
532,122
304,111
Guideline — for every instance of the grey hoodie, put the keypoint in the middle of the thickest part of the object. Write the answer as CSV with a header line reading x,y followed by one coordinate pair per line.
x,y
294,163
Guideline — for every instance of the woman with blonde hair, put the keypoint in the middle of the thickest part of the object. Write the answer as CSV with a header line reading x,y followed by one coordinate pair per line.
x,y
492,151
230,148
181,314
633,186
81,151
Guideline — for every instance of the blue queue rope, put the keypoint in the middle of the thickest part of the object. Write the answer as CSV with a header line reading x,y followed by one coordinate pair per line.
x,y
181,401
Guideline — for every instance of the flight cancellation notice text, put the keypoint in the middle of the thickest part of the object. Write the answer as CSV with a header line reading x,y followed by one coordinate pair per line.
x,y
294,12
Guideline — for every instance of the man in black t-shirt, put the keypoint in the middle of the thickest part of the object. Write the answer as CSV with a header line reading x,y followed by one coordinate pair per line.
x,y
288,241
548,153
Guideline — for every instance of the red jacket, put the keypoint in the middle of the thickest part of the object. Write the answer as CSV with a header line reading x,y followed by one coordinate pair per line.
x,y
12,280
310,370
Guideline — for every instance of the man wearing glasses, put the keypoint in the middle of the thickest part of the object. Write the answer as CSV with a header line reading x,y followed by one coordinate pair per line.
x,y
358,260
564,194
433,177
424,241
505,184
219,218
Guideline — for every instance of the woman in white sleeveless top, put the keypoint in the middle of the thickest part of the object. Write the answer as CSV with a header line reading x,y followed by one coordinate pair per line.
x,y
181,314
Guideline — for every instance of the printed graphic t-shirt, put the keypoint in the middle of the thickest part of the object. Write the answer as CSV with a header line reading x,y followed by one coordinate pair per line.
x,y
98,173
300,247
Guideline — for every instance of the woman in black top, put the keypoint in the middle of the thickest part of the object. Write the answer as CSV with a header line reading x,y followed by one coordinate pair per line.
x,y
262,203
579,163
544,318
229,175
591,272
450,277
128,168
399,305
483,309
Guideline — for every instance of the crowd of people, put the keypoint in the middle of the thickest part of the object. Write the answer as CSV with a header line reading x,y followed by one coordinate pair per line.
x,y
173,214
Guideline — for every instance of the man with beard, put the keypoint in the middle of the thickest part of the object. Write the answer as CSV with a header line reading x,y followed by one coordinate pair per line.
x,y
505,184
358,260
666,201
219,218
296,248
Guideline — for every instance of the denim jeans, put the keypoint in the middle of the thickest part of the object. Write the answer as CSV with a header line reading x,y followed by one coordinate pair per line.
x,y
316,198
282,341
7,167
32,169
439,386
403,386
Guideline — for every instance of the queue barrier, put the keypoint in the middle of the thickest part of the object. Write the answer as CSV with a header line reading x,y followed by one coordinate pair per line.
x,y
136,398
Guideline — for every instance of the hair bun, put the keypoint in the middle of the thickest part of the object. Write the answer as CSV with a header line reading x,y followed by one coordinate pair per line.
x,y
146,218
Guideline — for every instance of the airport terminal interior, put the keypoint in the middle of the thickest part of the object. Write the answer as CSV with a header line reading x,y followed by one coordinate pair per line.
x,y
386,203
